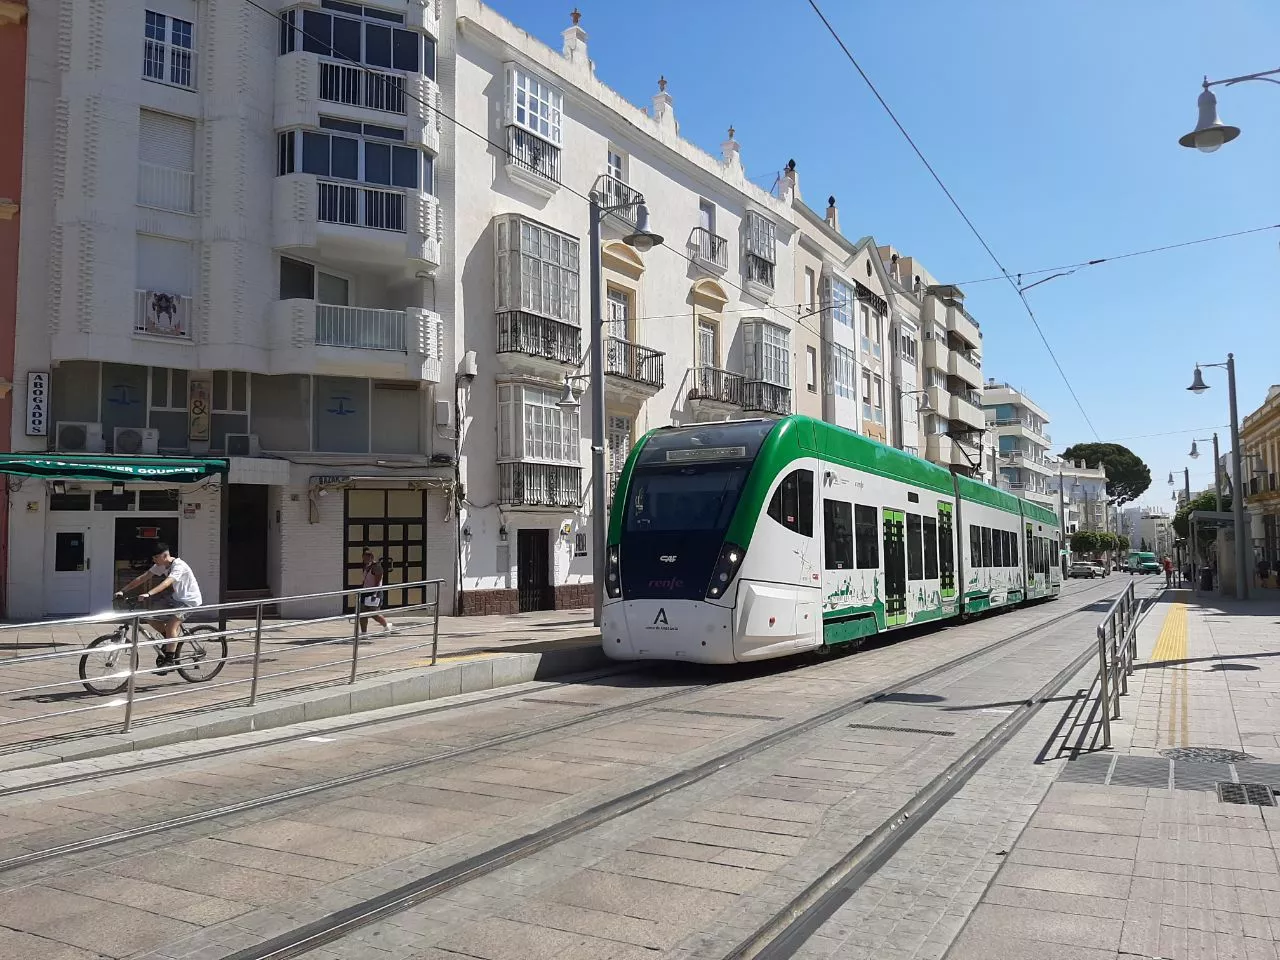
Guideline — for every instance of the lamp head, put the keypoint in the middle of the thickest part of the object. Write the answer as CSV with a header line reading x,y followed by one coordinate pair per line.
x,y
643,239
1197,382
1195,454
1171,478
1210,132
925,405
567,400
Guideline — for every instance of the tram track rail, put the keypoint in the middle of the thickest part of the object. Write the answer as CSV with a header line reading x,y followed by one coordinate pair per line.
x,y
340,923
532,843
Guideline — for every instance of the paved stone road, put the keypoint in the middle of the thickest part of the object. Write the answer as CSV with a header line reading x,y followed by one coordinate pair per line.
x,y
685,876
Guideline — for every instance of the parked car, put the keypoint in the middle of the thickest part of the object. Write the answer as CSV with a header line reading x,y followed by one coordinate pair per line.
x,y
1083,568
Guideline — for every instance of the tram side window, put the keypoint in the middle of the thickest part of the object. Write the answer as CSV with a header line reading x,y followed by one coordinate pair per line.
x,y
792,503
975,546
866,525
986,546
1009,538
915,553
1055,556
1013,545
997,548
837,530
930,548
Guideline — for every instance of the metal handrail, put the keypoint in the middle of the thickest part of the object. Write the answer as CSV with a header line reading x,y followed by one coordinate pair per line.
x,y
137,641
1117,651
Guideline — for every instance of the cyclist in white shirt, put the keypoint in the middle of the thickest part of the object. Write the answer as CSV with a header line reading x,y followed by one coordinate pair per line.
x,y
185,593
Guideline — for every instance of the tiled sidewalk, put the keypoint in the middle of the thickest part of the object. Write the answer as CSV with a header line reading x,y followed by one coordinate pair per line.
x,y
1106,870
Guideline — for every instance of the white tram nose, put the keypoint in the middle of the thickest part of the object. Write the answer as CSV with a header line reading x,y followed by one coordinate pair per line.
x,y
667,630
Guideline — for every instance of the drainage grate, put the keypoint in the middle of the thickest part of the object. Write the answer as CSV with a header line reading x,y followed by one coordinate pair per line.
x,y
719,713
1151,772
877,726
1206,755
1091,768
1258,794
1200,775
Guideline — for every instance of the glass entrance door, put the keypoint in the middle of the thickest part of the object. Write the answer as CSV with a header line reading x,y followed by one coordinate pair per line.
x,y
895,568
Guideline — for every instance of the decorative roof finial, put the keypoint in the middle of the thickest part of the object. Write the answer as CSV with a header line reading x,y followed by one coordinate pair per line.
x,y
575,16
662,84
831,201
731,131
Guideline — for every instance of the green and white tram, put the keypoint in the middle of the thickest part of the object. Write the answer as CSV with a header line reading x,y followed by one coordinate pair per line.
x,y
754,539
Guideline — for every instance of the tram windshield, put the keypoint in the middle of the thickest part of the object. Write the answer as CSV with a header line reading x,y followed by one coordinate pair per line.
x,y
693,498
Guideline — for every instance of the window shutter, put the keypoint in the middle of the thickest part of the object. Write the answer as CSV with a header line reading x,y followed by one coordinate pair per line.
x,y
167,141
164,265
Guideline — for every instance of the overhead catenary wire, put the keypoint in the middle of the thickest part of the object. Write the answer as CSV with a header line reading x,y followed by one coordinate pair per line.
x,y
959,209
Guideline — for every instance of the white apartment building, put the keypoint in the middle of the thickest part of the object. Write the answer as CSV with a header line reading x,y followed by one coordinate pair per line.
x,y
1022,443
232,272
1148,529
699,328
950,364
845,317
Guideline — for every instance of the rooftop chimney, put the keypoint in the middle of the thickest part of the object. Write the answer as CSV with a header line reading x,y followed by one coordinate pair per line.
x,y
663,106
731,151
833,215
575,42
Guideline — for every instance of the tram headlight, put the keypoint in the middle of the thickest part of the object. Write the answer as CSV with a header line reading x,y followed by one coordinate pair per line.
x,y
725,570
612,573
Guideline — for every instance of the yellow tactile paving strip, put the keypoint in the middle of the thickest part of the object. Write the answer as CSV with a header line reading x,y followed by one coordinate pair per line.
x,y
1171,647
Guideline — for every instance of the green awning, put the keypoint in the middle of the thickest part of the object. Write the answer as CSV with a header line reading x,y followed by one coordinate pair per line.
x,y
111,469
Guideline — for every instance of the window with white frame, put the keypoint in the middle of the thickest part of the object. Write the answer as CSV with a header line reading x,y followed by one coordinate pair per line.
x,y
534,105
811,369
908,345
877,399
167,54
877,333
532,425
537,269
766,352
839,296
865,312
866,397
761,256
842,371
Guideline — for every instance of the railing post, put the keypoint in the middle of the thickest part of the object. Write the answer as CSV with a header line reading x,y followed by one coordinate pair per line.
x,y
257,655
1104,700
435,627
133,673
355,638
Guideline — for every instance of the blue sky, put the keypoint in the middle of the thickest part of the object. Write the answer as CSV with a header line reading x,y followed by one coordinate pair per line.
x,y
1056,126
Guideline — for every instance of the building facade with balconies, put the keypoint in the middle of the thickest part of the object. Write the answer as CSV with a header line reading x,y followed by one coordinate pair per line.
x,y
1260,443
232,257
1019,428
699,328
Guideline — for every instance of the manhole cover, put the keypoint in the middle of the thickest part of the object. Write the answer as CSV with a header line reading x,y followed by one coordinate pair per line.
x,y
1206,755
1258,794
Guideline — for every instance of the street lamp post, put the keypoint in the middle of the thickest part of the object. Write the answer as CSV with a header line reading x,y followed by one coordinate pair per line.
x,y
1210,132
644,240
1237,493
1217,482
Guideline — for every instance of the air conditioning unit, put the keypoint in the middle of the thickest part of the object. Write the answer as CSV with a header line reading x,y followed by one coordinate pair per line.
x,y
136,440
243,445
79,437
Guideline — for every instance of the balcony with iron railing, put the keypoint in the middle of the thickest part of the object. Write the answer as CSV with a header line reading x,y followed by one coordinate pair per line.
x,y
526,484
532,335
362,222
759,274
1024,425
308,84
162,315
166,188
310,337
615,192
639,366
709,249
764,397
532,161
708,384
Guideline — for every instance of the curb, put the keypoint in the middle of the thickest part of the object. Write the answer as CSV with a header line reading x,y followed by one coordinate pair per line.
x,y
388,690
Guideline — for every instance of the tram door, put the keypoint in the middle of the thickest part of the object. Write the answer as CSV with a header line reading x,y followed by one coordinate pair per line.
x,y
946,551
895,568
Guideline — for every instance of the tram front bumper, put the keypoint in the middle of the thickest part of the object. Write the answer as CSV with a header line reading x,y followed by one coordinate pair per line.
x,y
692,630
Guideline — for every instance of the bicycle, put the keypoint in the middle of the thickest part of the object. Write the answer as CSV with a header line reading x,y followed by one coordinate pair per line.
x,y
105,665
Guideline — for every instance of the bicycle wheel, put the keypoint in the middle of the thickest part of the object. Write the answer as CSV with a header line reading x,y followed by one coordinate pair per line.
x,y
201,659
104,668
